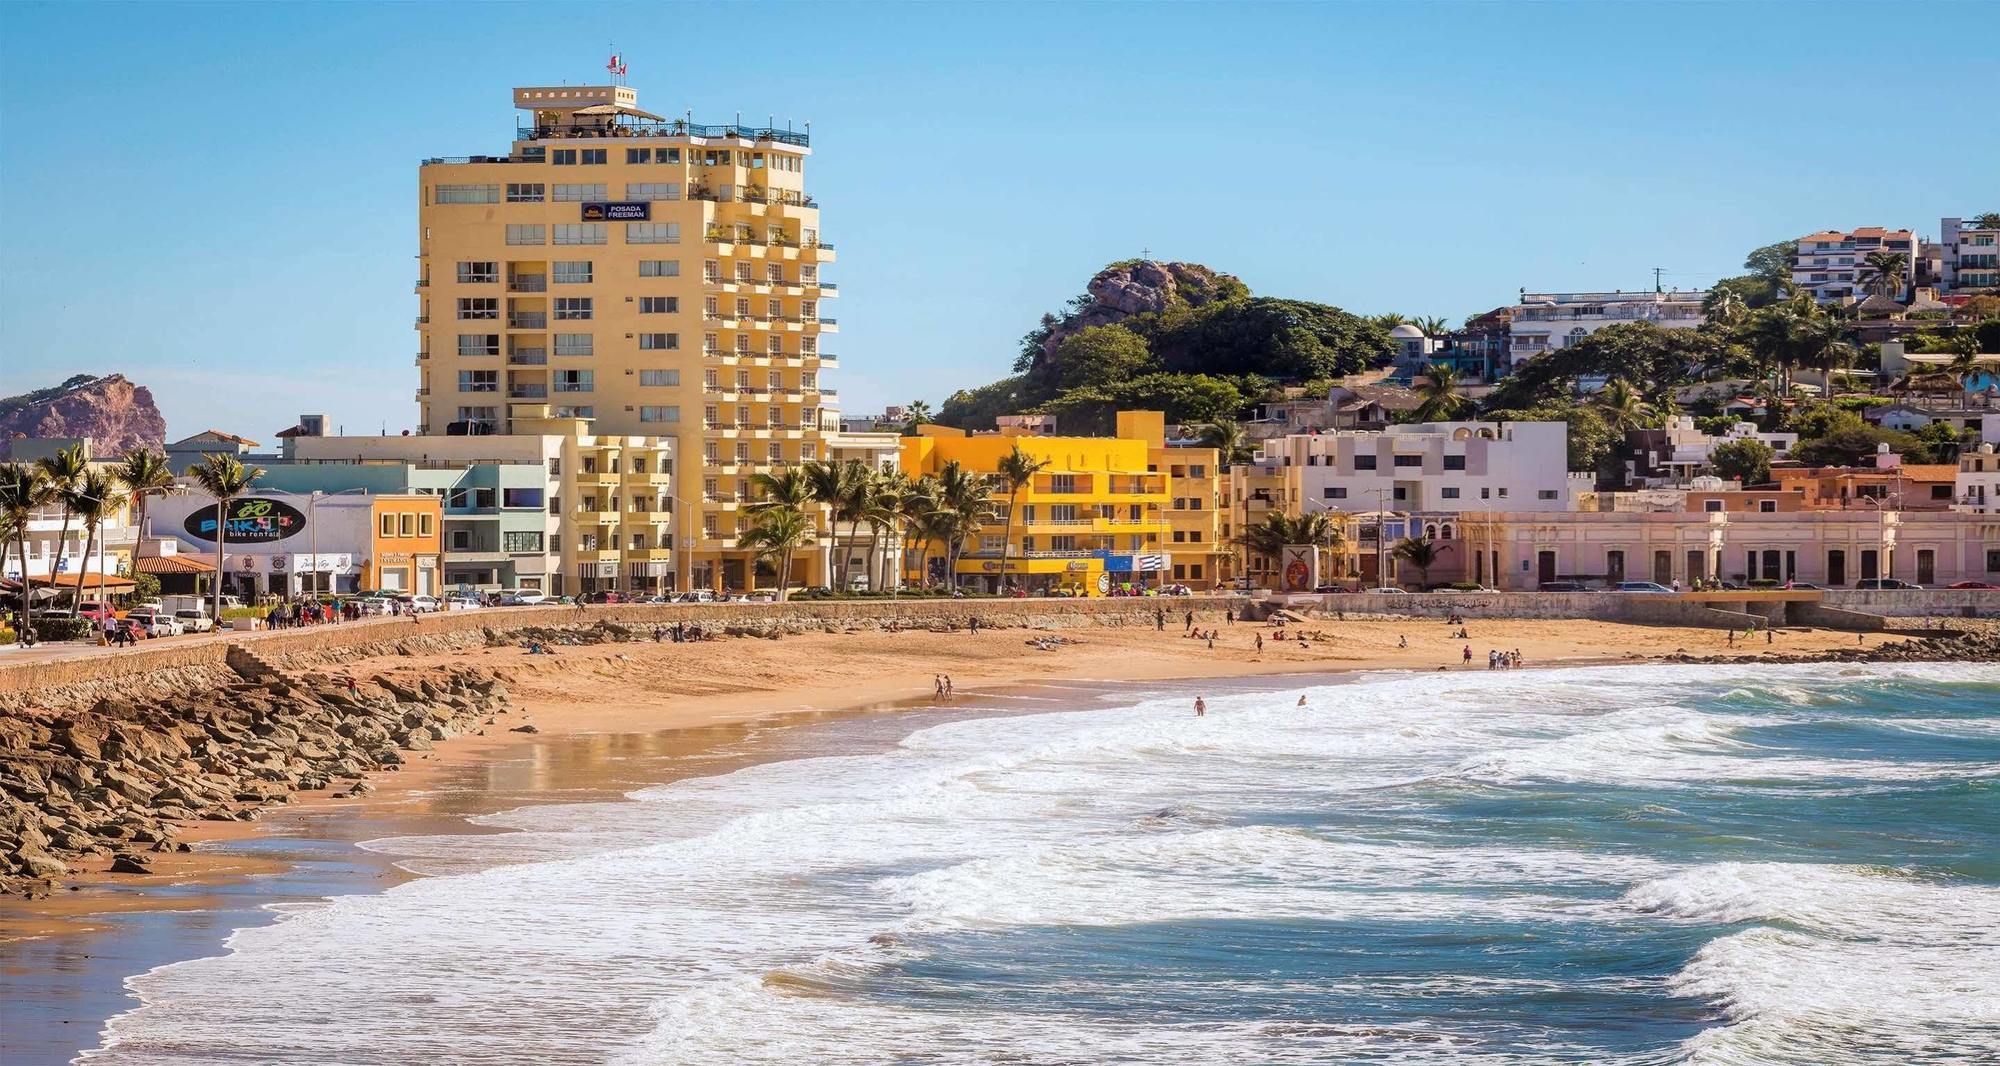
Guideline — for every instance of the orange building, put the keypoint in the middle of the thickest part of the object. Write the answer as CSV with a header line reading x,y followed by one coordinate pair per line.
x,y
1912,487
408,544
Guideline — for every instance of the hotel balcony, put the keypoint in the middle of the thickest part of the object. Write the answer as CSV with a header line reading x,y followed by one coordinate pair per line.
x,y
536,320
528,283
527,392
528,357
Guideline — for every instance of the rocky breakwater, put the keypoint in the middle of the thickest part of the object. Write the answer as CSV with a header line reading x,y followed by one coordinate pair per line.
x,y
121,779
1970,641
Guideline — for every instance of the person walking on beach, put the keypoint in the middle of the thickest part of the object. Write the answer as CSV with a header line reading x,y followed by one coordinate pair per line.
x,y
1200,707
1468,655
1190,622
1260,643
938,680
1211,640
1160,619
1229,615
1402,641
947,684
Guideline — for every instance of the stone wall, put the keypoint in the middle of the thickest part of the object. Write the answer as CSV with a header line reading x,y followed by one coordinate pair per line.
x,y
1964,603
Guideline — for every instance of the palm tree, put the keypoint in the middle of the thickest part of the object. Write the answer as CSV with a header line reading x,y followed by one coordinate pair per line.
x,y
1439,389
777,534
1016,469
1623,407
1269,537
64,471
1885,273
1227,437
1388,320
828,480
915,504
1434,327
24,489
97,499
1420,552
223,477
144,473
916,413
968,502
1822,344
788,489
1964,366
881,509
1726,306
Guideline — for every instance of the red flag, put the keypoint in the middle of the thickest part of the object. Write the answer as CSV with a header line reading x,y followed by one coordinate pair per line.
x,y
613,65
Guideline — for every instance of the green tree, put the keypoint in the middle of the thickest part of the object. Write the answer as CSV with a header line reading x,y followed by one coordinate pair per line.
x,y
776,534
1017,469
1099,356
1885,271
145,474
64,471
1623,407
223,478
967,505
24,489
1439,389
920,503
1747,460
96,499
1227,437
1855,446
917,413
1591,441
1267,538
1420,552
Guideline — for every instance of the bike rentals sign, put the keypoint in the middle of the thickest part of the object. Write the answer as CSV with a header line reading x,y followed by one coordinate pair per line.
x,y
251,520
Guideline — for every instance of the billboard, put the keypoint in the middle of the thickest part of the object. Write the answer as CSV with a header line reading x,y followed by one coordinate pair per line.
x,y
252,520
1298,567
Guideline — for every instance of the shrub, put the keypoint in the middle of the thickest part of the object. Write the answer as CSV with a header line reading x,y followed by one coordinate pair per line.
x,y
61,627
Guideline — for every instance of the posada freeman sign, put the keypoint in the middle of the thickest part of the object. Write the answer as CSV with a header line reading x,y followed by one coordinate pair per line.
x,y
252,520
642,211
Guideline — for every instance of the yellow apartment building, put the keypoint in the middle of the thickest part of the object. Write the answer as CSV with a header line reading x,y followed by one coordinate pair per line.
x,y
1095,519
1255,492
651,276
1198,508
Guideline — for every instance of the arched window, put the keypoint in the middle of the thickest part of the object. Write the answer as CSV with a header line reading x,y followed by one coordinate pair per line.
x,y
1575,335
1444,531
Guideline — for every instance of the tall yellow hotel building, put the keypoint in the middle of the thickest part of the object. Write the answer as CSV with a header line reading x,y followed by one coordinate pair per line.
x,y
1101,516
649,275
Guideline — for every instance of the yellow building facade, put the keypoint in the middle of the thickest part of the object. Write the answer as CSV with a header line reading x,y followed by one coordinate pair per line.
x,y
1094,520
651,276
1198,528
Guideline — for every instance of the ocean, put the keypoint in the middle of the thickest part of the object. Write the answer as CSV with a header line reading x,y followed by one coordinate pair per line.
x,y
1634,865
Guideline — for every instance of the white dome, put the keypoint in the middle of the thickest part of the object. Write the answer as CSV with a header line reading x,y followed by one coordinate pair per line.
x,y
1406,331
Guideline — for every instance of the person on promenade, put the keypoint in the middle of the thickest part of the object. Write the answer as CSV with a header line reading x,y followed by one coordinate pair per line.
x,y
1200,707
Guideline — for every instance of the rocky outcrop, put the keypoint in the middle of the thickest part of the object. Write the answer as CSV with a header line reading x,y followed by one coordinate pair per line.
x,y
122,778
115,414
1975,641
1139,287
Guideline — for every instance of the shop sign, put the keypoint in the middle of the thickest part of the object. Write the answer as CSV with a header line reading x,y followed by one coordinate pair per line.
x,y
641,211
252,520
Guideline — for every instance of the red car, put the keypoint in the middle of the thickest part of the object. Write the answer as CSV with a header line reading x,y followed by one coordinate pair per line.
x,y
1973,585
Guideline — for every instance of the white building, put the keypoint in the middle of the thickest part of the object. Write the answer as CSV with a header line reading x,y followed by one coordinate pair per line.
x,y
1833,265
56,557
1971,255
1430,466
876,554
1545,321
1977,490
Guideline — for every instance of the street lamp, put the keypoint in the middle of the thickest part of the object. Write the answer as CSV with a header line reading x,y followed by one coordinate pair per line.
x,y
1882,566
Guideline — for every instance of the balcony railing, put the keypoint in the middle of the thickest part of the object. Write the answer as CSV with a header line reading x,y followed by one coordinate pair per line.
x,y
527,392
529,357
528,283
626,127
528,320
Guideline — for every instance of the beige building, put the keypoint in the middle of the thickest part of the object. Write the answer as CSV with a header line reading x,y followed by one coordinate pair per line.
x,y
649,276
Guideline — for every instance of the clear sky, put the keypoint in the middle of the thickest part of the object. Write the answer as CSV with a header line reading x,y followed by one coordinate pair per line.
x,y
220,201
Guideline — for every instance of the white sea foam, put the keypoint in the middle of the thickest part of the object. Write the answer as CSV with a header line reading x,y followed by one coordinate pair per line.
x,y
742,917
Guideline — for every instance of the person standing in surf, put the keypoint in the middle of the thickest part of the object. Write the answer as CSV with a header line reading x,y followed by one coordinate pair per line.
x,y
1200,707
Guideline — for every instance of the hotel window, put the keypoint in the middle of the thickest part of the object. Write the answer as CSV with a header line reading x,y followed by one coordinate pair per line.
x,y
526,193
573,344
536,234
653,190
563,157
742,452
652,233
520,541
573,381
468,194
775,452
579,193
743,275
1454,462
638,155
478,273
743,344
406,523
659,305
388,525
423,524
668,413
479,307
808,274
711,453
461,540
774,309
572,307
478,414
659,268
581,233
809,236
774,273
808,310
661,378
809,345
1545,494
479,344
708,526
1449,493
576,412
711,415
742,307
1364,462
1409,460
594,157
479,381
775,416
658,342
666,155
576,272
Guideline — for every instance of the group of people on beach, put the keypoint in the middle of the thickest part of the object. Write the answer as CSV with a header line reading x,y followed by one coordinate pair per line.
x,y
942,683
1496,659
682,632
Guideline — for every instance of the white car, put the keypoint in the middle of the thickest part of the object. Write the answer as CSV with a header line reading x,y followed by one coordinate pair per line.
x,y
761,597
424,603
194,621
368,605
1387,591
699,596
156,623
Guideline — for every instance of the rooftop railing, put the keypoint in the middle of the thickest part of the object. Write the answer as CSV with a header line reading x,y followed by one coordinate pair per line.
x,y
641,128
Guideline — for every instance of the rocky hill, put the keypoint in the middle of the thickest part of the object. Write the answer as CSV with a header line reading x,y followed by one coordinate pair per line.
x,y
116,414
1181,338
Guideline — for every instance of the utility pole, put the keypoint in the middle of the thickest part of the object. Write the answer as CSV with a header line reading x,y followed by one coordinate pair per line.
x,y
1657,271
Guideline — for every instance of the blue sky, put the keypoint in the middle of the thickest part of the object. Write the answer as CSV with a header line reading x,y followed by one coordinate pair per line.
x,y
220,200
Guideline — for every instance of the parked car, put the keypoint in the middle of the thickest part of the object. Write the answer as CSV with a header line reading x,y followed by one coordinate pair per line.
x,y
156,622
1972,585
1805,586
1563,586
1330,590
699,596
1887,584
524,598
761,596
425,603
1387,591
95,610
606,596
368,605
1642,586
194,621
